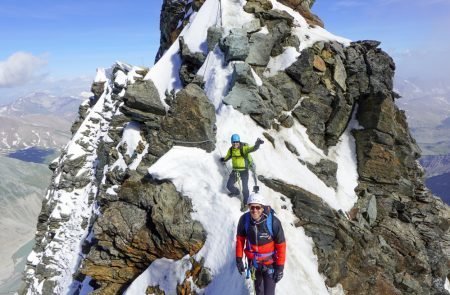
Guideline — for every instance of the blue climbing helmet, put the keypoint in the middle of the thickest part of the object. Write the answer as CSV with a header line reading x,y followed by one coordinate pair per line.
x,y
235,138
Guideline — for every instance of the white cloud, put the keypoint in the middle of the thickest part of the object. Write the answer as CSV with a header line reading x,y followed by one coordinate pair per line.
x,y
19,68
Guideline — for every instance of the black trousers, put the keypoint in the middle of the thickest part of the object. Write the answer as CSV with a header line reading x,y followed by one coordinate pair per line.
x,y
264,283
233,179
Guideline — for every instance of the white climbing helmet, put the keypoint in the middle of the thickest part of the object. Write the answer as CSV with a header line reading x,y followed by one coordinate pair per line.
x,y
256,198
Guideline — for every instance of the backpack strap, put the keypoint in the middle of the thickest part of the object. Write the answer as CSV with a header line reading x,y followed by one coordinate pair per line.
x,y
247,161
246,222
269,222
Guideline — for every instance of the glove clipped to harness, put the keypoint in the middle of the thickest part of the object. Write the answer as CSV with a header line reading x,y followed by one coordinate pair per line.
x,y
240,265
278,273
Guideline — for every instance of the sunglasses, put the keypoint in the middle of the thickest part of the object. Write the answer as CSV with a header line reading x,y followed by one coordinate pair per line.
x,y
255,207
234,142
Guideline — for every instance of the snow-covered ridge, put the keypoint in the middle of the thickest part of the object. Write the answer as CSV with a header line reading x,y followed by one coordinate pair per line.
x,y
72,193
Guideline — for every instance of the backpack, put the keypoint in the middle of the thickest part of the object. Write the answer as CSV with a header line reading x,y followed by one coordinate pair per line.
x,y
248,159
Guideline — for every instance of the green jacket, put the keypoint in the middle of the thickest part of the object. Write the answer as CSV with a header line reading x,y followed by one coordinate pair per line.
x,y
240,158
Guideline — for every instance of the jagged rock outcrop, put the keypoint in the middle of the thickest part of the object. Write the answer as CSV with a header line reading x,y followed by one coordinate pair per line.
x,y
149,220
304,8
174,16
373,253
390,245
141,219
191,120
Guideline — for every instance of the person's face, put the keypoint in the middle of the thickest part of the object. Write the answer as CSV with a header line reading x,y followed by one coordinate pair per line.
x,y
236,144
256,210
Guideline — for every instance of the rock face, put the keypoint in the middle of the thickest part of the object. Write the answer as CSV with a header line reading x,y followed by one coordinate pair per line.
x,y
391,243
149,220
191,121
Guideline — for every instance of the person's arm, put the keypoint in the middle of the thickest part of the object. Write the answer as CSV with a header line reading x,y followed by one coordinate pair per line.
x,y
280,242
241,236
227,156
250,149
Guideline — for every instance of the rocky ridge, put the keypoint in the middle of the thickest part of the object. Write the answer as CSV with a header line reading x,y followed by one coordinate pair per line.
x,y
395,240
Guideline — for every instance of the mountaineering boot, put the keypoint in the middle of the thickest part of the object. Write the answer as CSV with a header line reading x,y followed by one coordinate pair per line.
x,y
243,203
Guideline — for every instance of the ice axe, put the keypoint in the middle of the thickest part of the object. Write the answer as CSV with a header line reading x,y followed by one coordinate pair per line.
x,y
255,178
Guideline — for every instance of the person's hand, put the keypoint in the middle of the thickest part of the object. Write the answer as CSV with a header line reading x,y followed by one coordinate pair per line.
x,y
222,160
259,141
278,273
240,265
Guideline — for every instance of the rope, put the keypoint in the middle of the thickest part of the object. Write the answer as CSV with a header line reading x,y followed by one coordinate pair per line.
x,y
193,142
255,176
220,11
206,66
218,16
221,155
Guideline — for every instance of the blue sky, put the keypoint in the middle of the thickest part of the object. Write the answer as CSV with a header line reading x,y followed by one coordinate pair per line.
x,y
47,43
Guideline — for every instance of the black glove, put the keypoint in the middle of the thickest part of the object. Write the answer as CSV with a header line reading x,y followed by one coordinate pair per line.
x,y
222,159
259,141
240,265
278,273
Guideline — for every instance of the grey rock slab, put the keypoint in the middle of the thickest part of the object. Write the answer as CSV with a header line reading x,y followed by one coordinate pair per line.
x,y
144,96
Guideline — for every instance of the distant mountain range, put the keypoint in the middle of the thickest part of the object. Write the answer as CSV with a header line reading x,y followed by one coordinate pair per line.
x,y
435,165
22,187
427,106
39,119
440,185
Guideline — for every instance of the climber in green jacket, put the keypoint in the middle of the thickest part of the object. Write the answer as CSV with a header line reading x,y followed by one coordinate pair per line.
x,y
241,162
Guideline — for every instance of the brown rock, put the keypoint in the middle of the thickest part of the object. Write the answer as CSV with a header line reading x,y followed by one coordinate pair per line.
x,y
319,64
303,7
326,54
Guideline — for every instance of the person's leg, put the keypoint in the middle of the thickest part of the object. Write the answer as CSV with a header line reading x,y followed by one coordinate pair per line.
x,y
269,283
259,282
244,178
230,184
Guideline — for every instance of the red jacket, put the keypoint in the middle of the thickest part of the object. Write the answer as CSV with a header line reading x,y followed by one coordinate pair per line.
x,y
259,243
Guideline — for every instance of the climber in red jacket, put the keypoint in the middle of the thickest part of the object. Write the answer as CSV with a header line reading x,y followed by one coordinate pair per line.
x,y
261,233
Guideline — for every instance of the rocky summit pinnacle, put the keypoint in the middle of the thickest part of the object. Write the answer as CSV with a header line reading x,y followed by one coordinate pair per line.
x,y
138,204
